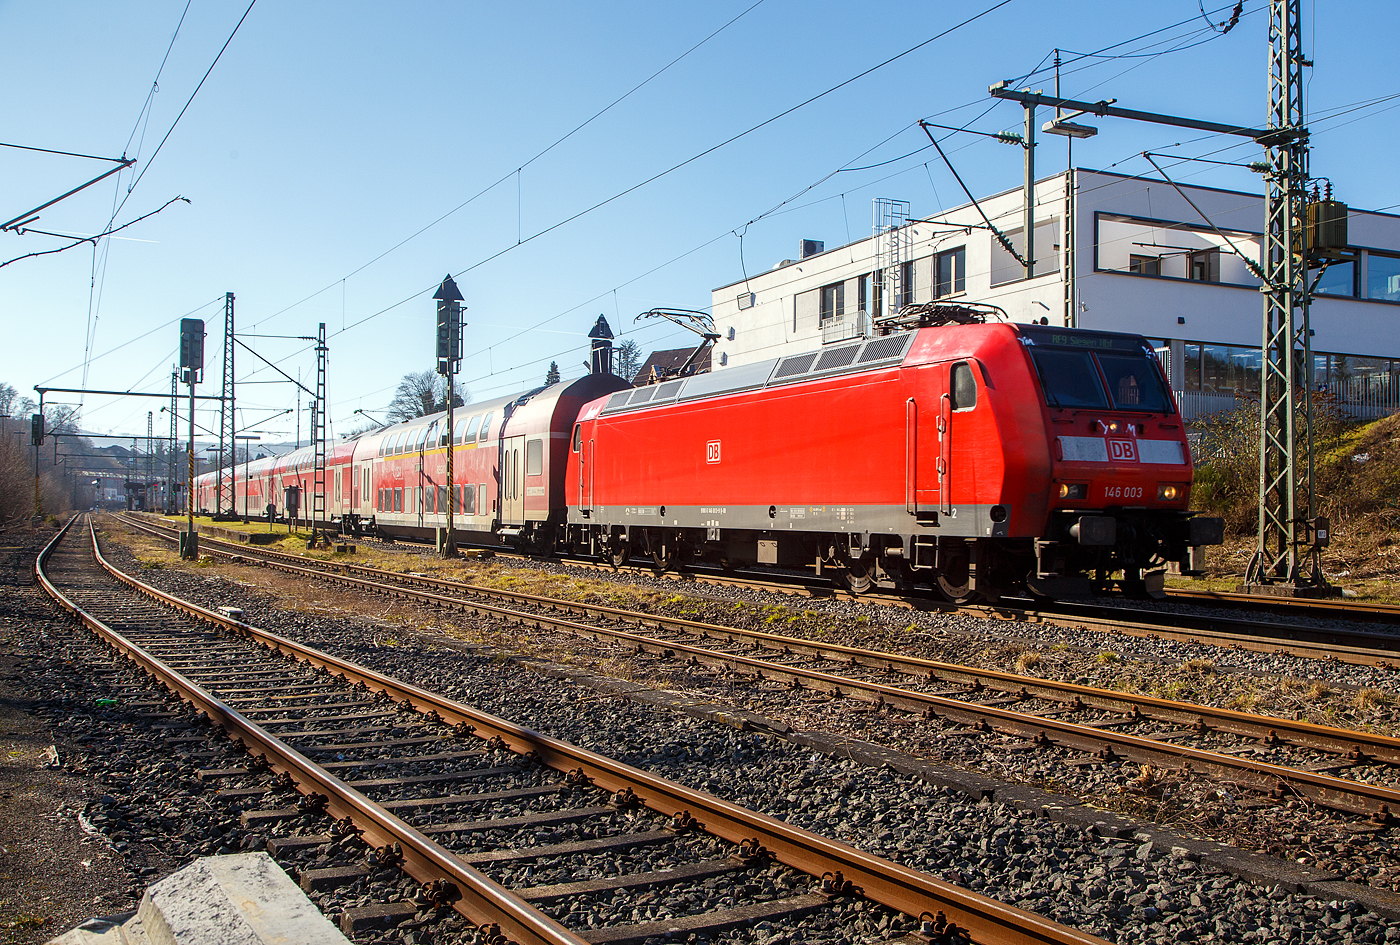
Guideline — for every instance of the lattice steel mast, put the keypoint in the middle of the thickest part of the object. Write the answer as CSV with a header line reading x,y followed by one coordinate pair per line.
x,y
227,428
1287,555
318,440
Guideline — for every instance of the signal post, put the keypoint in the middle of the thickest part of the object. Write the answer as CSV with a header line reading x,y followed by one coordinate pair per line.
x,y
449,358
191,365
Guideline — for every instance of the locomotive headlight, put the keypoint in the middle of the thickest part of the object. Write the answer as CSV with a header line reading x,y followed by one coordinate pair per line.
x,y
1167,491
1072,490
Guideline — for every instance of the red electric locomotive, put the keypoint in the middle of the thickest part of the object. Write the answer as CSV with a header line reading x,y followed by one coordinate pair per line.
x,y
981,458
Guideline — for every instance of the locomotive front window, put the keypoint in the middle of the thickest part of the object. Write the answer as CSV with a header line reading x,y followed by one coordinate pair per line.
x,y
578,437
1134,383
1069,378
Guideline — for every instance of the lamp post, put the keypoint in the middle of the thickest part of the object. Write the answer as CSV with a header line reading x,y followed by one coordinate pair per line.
x,y
449,357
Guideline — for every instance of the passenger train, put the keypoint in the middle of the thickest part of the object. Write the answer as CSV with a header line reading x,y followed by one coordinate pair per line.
x,y
980,459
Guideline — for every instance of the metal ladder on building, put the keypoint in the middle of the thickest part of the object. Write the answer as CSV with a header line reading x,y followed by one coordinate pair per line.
x,y
893,244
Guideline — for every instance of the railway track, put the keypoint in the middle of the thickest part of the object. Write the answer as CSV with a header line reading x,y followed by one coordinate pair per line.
x,y
416,776
1360,647
1287,757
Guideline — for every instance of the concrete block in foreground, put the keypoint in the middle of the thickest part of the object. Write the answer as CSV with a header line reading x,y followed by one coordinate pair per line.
x,y
244,899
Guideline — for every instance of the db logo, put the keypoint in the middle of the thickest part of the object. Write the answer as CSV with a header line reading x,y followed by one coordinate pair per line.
x,y
1122,451
712,451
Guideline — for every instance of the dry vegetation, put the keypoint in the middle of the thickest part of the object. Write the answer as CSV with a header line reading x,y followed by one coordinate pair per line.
x,y
1357,482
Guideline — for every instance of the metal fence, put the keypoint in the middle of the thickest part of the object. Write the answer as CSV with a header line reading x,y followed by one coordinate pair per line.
x,y
1362,399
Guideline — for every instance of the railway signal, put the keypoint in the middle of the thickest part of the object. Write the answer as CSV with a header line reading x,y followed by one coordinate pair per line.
x,y
191,347
191,367
36,429
449,356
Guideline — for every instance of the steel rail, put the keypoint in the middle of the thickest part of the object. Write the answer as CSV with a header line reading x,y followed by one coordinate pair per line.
x,y
1362,648
1338,793
481,900
898,887
1361,611
1270,729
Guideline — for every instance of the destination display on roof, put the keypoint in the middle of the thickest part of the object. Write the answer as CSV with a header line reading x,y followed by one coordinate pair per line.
x,y
1075,338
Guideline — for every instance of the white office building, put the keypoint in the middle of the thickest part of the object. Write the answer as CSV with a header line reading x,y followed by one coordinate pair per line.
x,y
1136,256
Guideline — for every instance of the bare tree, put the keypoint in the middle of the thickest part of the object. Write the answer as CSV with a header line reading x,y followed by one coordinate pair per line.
x,y
419,394
8,395
627,360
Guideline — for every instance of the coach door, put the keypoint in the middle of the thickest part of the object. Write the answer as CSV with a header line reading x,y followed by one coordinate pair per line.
x,y
513,480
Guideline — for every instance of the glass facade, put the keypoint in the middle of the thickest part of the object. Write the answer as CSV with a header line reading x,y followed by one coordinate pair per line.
x,y
1383,277
1338,279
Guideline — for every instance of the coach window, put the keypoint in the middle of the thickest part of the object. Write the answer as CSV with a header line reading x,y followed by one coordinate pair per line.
x,y
457,433
469,500
534,457
470,436
963,387
431,439
485,428
578,437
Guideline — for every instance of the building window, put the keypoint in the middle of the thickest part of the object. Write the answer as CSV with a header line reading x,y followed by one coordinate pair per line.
x,y
832,302
1203,266
1383,277
1145,265
949,272
906,285
1339,278
870,289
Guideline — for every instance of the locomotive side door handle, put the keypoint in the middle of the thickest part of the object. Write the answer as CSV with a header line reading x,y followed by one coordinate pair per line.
x,y
945,452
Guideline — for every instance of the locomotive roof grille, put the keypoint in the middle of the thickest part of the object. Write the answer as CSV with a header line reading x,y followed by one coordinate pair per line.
x,y
837,358
879,352
881,349
798,364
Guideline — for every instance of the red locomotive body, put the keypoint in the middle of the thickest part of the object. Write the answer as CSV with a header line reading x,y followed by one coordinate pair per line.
x,y
983,457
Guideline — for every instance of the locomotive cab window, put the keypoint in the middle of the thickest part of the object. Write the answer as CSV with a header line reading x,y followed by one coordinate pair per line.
x,y
1069,378
578,437
1134,382
962,387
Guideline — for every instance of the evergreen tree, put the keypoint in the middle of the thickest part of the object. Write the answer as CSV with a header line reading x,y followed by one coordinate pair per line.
x,y
553,376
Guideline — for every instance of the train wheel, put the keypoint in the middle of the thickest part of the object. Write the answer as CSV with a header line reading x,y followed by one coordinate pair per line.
x,y
857,578
664,557
955,581
617,555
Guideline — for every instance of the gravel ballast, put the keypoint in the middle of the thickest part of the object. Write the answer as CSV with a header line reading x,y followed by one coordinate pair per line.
x,y
1123,889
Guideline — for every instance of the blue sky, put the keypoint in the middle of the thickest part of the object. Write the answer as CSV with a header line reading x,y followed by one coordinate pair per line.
x,y
330,133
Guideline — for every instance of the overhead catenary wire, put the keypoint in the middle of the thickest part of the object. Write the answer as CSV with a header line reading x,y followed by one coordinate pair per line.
x,y
690,160
531,160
